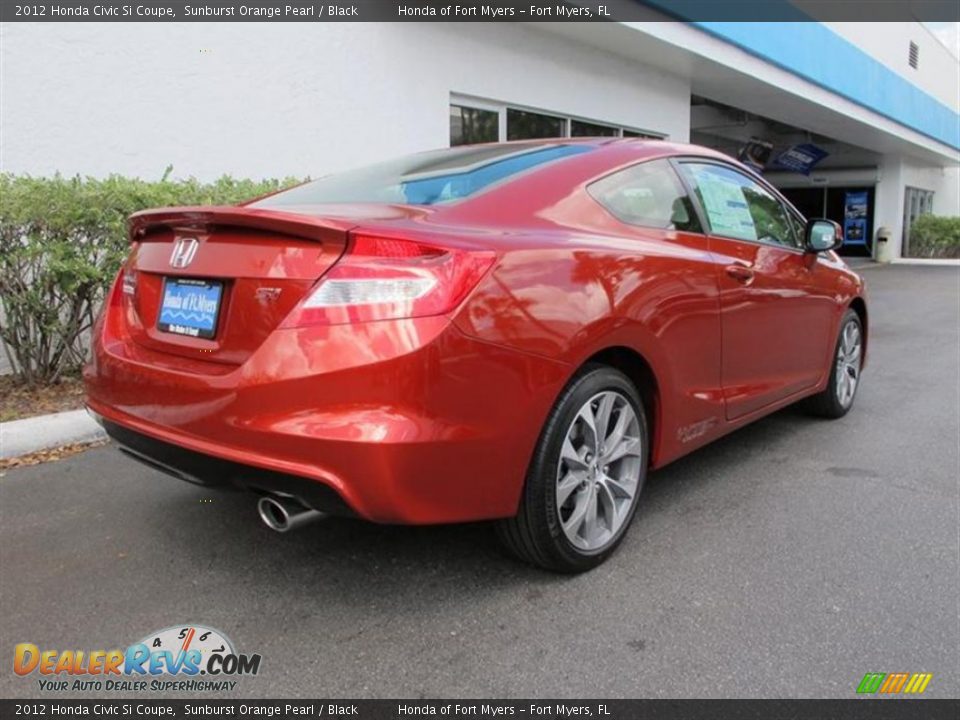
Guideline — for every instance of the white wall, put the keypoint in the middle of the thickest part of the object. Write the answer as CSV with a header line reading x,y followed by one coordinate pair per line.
x,y
947,199
268,100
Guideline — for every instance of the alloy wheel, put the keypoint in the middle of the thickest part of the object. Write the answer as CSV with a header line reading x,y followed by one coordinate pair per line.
x,y
598,474
848,363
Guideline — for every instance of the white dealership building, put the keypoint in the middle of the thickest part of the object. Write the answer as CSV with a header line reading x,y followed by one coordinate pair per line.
x,y
874,104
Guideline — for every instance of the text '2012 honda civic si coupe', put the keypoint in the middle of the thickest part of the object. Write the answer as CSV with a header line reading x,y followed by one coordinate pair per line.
x,y
515,331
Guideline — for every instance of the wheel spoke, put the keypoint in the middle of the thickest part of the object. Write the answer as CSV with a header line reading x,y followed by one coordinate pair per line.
x,y
608,504
568,484
570,456
849,338
624,419
590,517
604,410
617,488
572,526
628,447
853,357
852,382
587,416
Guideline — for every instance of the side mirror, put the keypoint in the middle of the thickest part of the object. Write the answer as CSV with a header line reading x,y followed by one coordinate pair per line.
x,y
823,235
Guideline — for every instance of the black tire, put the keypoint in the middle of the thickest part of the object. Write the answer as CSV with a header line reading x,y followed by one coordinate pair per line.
x,y
535,534
827,404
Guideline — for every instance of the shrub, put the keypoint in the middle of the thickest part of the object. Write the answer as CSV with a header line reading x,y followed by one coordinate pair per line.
x,y
61,243
935,237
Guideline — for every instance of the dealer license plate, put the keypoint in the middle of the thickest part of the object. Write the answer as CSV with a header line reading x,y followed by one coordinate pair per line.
x,y
190,307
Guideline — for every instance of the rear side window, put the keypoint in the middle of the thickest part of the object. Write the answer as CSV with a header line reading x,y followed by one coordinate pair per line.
x,y
430,178
650,195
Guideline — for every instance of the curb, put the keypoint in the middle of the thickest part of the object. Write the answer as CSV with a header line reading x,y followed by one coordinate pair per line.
x,y
20,437
928,262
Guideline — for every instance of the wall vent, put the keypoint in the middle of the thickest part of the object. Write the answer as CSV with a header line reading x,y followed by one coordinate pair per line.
x,y
914,56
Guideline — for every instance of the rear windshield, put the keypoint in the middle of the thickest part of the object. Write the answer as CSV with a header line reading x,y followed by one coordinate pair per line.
x,y
430,178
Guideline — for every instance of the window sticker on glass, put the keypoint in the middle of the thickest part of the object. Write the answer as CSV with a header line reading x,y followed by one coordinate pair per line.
x,y
726,206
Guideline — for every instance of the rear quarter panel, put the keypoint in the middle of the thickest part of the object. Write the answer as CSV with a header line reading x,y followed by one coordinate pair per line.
x,y
580,282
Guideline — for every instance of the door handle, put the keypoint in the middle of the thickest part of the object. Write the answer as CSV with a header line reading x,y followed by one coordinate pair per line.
x,y
743,273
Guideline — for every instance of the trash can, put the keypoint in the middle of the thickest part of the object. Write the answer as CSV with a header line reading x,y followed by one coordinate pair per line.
x,y
884,245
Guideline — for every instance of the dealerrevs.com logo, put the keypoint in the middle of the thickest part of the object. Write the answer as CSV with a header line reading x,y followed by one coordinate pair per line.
x,y
187,657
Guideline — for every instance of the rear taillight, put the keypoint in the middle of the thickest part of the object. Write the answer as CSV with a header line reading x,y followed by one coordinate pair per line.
x,y
387,279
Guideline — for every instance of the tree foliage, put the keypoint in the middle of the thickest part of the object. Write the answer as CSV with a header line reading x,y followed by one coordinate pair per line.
x,y
932,236
62,241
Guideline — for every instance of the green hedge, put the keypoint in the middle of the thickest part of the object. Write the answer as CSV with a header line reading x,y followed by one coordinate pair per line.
x,y
935,237
61,243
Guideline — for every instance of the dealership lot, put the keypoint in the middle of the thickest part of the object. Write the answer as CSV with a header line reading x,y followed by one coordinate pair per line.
x,y
786,560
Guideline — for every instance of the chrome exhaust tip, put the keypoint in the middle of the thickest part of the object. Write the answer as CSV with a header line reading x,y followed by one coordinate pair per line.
x,y
283,514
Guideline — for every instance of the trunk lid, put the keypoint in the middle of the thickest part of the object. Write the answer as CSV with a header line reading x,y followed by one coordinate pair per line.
x,y
237,271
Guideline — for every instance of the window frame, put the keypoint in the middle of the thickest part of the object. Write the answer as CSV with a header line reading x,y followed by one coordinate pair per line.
x,y
789,209
672,169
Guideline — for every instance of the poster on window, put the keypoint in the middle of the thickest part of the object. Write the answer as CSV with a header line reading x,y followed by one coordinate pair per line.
x,y
855,218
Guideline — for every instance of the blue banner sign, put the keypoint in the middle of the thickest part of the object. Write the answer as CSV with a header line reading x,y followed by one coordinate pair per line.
x,y
800,158
855,208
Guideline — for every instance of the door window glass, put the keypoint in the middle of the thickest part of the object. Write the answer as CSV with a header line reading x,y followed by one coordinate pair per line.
x,y
649,194
738,207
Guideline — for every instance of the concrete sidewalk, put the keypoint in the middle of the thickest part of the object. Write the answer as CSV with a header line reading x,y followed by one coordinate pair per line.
x,y
20,437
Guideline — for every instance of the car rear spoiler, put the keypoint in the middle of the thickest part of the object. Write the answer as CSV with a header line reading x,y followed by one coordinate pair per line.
x,y
206,218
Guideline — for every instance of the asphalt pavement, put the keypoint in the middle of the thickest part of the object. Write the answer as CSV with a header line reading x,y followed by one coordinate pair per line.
x,y
786,560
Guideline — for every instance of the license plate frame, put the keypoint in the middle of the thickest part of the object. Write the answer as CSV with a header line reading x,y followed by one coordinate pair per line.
x,y
185,307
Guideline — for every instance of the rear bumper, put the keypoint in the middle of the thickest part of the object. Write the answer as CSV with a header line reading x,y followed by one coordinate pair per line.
x,y
399,422
203,469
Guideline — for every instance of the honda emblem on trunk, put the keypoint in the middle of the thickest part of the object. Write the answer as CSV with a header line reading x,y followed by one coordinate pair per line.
x,y
184,250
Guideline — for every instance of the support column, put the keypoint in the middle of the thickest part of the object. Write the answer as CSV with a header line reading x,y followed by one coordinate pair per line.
x,y
888,210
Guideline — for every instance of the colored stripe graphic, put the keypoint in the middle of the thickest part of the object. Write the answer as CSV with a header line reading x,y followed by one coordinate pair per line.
x,y
871,683
893,683
918,683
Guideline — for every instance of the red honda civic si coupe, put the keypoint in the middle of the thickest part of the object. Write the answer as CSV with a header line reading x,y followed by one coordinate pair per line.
x,y
515,331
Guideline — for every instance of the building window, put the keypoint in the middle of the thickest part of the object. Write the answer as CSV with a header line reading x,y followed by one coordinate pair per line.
x,y
524,125
914,56
916,202
637,134
579,128
476,120
469,125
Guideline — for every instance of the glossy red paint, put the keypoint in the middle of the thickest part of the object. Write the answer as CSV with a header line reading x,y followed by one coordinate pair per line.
x,y
434,418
